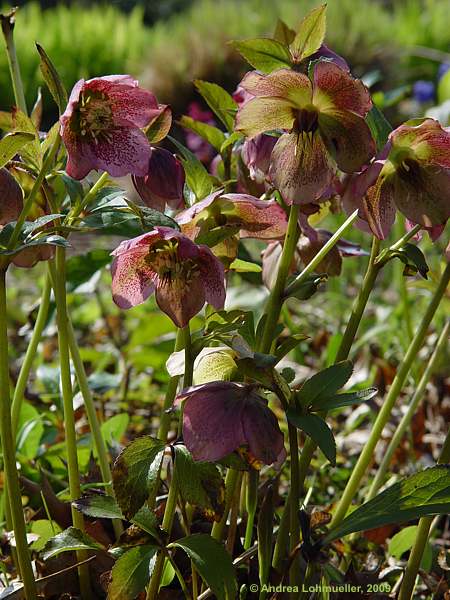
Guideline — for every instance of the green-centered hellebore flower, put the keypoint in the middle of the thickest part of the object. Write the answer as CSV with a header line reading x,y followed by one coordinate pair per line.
x,y
323,120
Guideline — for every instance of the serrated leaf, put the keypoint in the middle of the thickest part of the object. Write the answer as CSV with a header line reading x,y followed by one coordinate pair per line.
x,y
310,35
98,506
52,79
158,129
68,540
211,134
346,399
31,152
264,54
213,562
316,429
283,33
200,483
219,101
198,178
324,384
135,472
131,573
426,493
379,126
11,144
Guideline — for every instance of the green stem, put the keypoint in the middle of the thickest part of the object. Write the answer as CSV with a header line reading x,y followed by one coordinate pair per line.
x,y
294,528
251,500
180,577
30,354
13,61
282,542
69,417
9,454
275,301
385,412
98,185
423,531
188,358
407,417
230,487
405,238
171,391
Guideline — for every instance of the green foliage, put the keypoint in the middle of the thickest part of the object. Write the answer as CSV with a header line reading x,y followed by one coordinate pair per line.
x,y
131,573
68,540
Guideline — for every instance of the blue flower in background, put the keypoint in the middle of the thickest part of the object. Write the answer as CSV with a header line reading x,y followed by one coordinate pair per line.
x,y
423,91
443,68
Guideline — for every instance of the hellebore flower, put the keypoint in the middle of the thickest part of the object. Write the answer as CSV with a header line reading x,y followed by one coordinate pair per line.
x,y
414,178
163,183
101,126
324,121
255,154
200,147
182,274
11,199
222,416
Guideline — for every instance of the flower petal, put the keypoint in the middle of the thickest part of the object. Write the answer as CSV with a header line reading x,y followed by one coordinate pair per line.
x,y
428,140
261,430
347,138
258,219
212,274
11,198
132,277
283,83
300,168
336,89
380,208
264,114
181,300
126,151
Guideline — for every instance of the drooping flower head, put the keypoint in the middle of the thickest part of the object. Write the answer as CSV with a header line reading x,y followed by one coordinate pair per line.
x,y
222,416
414,178
163,183
324,122
182,274
101,126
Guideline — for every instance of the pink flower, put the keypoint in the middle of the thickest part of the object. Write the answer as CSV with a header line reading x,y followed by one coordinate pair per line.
x,y
256,153
222,416
101,126
323,118
182,274
163,183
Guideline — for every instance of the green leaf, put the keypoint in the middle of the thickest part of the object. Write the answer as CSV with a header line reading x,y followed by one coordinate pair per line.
x,y
198,178
158,129
243,266
310,35
316,429
231,140
289,344
11,144
283,33
114,428
417,258
379,126
30,431
31,152
168,574
52,79
98,506
324,384
402,541
81,268
211,134
264,54
45,529
213,563
426,493
306,288
68,540
200,483
341,400
131,573
219,101
135,473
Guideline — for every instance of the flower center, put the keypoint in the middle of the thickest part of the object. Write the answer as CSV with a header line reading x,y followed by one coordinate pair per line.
x,y
95,117
307,120
170,269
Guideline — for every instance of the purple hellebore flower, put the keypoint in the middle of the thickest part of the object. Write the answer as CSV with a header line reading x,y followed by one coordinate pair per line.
x,y
101,126
255,154
323,120
222,416
163,183
423,91
182,274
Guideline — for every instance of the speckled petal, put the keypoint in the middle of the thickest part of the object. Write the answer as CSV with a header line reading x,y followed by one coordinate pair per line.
x,y
181,300
336,89
283,83
428,140
11,198
379,207
212,275
127,151
259,219
264,114
132,278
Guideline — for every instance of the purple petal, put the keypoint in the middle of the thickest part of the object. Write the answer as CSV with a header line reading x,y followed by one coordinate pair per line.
x,y
127,151
380,208
261,430
181,299
336,89
11,198
259,219
212,274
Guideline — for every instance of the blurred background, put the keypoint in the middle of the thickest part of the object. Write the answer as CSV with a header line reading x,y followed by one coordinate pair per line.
x,y
400,47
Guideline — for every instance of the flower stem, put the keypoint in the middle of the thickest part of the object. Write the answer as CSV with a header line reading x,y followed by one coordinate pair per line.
x,y
171,392
13,62
9,454
30,354
407,417
275,301
423,531
230,487
251,500
385,412
98,185
69,417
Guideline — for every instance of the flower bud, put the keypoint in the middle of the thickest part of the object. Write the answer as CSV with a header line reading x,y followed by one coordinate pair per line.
x,y
256,154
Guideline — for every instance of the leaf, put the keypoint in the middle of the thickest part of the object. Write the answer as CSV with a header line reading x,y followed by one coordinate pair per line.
x,y
426,493
198,178
81,268
243,266
45,530
379,126
306,288
289,344
316,429
52,79
347,399
264,54
31,152
200,483
11,144
135,473
324,384
158,129
213,563
68,540
310,35
30,431
219,101
283,33
211,134
231,140
98,506
114,428
131,573
402,541
417,258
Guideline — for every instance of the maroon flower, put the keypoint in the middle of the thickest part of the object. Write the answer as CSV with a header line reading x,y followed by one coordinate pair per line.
x,y
11,200
101,126
182,274
256,154
222,416
200,147
163,183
